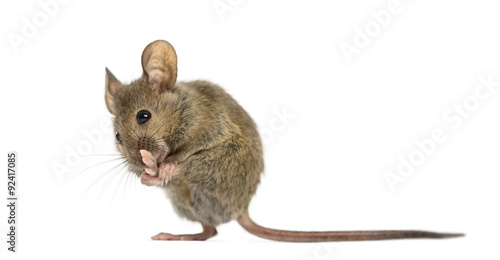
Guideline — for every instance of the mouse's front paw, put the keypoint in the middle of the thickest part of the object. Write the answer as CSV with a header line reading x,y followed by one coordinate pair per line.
x,y
149,180
163,174
150,162
166,171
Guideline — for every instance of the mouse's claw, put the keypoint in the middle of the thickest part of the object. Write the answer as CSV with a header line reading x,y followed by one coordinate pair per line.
x,y
166,171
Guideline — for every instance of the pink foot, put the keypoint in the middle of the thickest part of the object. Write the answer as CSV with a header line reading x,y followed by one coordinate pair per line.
x,y
166,236
208,232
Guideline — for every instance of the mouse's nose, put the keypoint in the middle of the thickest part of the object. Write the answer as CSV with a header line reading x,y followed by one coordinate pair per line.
x,y
144,143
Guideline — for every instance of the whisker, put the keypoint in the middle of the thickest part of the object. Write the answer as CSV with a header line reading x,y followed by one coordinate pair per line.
x,y
86,155
124,195
157,130
137,136
93,166
156,139
135,187
129,182
108,181
116,189
97,180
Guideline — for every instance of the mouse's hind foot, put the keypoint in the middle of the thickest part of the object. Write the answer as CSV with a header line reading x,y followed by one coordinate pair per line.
x,y
208,232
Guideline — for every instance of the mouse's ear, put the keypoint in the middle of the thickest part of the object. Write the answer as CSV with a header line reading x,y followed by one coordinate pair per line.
x,y
112,86
159,66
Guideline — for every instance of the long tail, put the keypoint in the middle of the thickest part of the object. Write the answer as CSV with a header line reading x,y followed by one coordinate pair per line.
x,y
300,236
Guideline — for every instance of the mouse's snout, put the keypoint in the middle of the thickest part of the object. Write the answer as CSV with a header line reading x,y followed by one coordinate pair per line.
x,y
157,149
145,143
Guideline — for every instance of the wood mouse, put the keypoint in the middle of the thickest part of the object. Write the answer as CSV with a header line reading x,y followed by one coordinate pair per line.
x,y
203,149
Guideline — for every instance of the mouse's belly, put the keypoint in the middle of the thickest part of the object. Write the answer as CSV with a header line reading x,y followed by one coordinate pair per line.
x,y
199,205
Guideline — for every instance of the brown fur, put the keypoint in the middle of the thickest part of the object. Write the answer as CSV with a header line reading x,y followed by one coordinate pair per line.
x,y
216,139
213,143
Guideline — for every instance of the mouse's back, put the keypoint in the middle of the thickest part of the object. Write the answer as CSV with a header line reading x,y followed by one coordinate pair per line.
x,y
221,171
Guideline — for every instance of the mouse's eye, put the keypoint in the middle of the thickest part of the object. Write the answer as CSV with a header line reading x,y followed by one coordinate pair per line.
x,y
118,138
143,116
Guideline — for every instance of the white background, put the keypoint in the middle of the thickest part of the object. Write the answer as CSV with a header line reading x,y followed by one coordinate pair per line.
x,y
324,169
